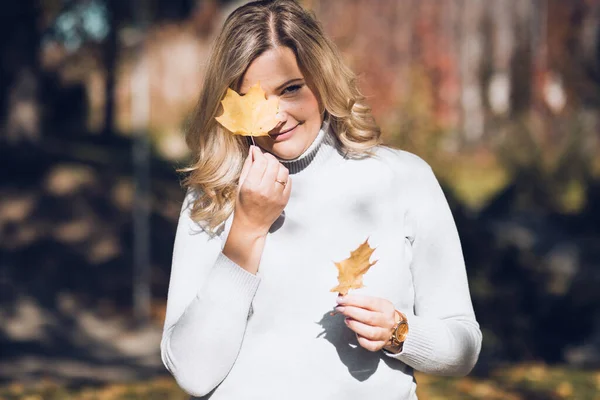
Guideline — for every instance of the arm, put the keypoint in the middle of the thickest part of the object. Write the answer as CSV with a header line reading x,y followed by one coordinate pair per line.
x,y
444,338
207,309
211,289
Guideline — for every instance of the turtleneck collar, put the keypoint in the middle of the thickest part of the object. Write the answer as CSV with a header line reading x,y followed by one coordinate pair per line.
x,y
324,145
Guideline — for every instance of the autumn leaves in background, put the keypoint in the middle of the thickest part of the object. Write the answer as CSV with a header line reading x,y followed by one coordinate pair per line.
x,y
254,115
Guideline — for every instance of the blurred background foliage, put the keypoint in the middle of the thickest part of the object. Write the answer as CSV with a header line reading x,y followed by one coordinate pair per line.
x,y
501,98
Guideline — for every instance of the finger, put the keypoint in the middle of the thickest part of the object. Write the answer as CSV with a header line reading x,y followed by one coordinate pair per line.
x,y
282,175
367,331
257,170
367,317
363,301
271,171
287,190
371,345
246,167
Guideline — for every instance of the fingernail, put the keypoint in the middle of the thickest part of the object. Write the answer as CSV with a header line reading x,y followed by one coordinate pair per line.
x,y
346,320
340,309
340,299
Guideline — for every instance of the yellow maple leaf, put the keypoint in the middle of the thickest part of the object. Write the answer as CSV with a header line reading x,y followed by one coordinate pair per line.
x,y
249,115
351,270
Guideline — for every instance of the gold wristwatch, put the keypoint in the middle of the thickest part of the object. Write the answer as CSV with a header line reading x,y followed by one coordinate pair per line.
x,y
399,334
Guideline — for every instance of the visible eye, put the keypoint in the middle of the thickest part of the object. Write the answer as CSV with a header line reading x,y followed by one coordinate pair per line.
x,y
292,89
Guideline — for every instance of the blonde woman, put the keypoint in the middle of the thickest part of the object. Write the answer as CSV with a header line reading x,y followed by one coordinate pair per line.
x,y
249,304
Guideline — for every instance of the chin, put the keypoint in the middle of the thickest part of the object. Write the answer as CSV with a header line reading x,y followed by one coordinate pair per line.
x,y
287,151
293,146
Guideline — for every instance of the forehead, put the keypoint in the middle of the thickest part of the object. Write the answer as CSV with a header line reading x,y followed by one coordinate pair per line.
x,y
272,68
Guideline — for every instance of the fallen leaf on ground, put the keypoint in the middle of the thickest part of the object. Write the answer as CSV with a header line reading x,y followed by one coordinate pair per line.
x,y
351,270
249,115
565,390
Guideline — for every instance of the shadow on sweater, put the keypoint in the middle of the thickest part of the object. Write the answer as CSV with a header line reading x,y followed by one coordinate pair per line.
x,y
360,362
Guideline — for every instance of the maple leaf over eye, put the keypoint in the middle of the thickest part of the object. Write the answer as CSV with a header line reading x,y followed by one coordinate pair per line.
x,y
351,270
249,115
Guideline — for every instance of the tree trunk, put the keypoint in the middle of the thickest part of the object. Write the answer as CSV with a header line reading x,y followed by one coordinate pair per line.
x,y
111,47
19,73
140,115
471,52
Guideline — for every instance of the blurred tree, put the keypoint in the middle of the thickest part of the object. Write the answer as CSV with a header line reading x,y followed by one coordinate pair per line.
x,y
111,48
19,72
140,116
471,53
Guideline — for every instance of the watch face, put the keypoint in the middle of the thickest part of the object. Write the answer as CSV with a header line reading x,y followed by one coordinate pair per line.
x,y
401,332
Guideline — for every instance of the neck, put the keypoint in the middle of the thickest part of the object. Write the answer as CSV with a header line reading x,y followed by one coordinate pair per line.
x,y
318,152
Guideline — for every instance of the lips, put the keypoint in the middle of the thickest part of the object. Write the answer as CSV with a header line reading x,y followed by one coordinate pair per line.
x,y
284,132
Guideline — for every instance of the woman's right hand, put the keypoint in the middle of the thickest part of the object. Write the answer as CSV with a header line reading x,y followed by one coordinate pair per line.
x,y
260,200
261,197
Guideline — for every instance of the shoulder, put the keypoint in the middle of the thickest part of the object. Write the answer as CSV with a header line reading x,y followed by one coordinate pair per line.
x,y
404,163
191,195
411,175
186,215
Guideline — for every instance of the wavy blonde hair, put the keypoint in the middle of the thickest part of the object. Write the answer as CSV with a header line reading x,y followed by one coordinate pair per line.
x,y
247,33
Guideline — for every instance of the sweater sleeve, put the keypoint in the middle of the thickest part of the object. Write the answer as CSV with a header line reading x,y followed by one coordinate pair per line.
x,y
444,337
208,306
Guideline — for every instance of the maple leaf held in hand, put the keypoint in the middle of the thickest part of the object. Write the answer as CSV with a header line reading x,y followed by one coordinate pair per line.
x,y
352,269
249,115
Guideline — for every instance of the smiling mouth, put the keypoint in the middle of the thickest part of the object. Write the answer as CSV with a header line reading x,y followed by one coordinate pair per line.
x,y
282,132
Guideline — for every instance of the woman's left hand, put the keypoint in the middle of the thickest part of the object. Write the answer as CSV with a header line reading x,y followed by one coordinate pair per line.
x,y
371,318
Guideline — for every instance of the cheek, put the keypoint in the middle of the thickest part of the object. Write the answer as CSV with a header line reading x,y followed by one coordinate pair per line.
x,y
302,107
305,106
310,106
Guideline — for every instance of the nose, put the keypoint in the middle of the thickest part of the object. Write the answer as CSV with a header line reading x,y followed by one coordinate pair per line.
x,y
281,116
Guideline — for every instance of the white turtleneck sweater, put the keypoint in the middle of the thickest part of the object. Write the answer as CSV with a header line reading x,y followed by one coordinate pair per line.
x,y
230,334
